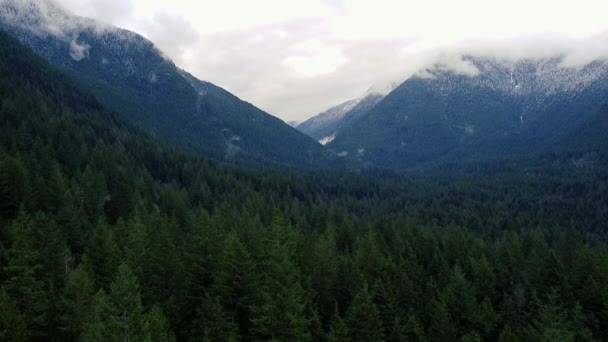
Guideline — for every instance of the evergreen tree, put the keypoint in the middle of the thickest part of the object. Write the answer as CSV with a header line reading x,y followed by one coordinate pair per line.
x,y
128,320
233,282
413,329
552,322
485,317
442,328
78,296
279,309
23,272
338,332
98,324
214,324
13,326
507,334
363,318
102,255
159,327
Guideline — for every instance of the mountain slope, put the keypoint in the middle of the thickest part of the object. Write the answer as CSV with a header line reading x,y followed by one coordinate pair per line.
x,y
129,75
504,109
325,126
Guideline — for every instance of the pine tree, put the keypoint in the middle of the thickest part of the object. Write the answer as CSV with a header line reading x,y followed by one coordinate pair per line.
x,y
485,317
213,323
160,331
442,328
233,280
78,296
128,319
413,329
579,326
363,318
507,334
98,324
471,337
279,310
338,331
102,255
23,272
552,322
13,326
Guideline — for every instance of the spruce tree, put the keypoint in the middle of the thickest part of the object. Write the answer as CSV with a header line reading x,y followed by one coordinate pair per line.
x,y
128,320
413,329
363,317
338,331
102,255
78,296
280,306
160,331
13,326
551,323
24,280
98,324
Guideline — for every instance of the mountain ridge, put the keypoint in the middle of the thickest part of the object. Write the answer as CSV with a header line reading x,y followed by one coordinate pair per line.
x,y
505,108
130,75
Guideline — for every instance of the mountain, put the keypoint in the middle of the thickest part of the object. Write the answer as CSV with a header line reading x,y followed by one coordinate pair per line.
x,y
128,74
499,109
327,125
108,235
590,138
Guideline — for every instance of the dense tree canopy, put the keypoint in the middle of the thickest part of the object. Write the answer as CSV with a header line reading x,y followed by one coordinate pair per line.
x,y
106,235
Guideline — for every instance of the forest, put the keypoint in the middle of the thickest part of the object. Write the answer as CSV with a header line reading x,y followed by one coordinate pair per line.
x,y
108,235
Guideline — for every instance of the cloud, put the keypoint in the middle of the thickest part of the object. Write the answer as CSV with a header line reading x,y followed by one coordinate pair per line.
x,y
113,12
298,58
171,33
78,51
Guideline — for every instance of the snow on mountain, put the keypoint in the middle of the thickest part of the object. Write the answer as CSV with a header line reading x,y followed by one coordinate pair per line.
x,y
129,75
327,125
481,108
533,82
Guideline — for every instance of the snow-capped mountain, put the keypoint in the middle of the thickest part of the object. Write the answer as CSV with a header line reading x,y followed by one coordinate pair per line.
x,y
129,75
496,108
327,125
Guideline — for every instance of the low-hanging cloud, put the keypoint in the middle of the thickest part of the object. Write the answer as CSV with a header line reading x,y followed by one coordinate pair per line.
x,y
299,59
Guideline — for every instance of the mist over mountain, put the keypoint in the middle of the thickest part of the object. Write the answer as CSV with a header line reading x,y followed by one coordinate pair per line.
x,y
130,75
482,109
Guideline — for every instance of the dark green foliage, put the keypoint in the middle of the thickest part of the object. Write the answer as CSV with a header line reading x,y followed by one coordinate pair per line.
x,y
127,320
363,318
279,309
23,274
13,326
117,236
160,331
77,299
338,331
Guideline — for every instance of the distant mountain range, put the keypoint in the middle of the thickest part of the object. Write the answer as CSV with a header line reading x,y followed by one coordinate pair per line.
x,y
128,74
503,109
497,109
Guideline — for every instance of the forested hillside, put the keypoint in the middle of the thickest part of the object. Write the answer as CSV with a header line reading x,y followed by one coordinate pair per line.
x,y
506,109
129,74
106,235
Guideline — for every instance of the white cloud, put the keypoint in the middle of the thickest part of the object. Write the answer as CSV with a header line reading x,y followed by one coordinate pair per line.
x,y
297,58
78,51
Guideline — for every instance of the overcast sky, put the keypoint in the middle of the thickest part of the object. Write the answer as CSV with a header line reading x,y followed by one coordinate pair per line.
x,y
296,58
